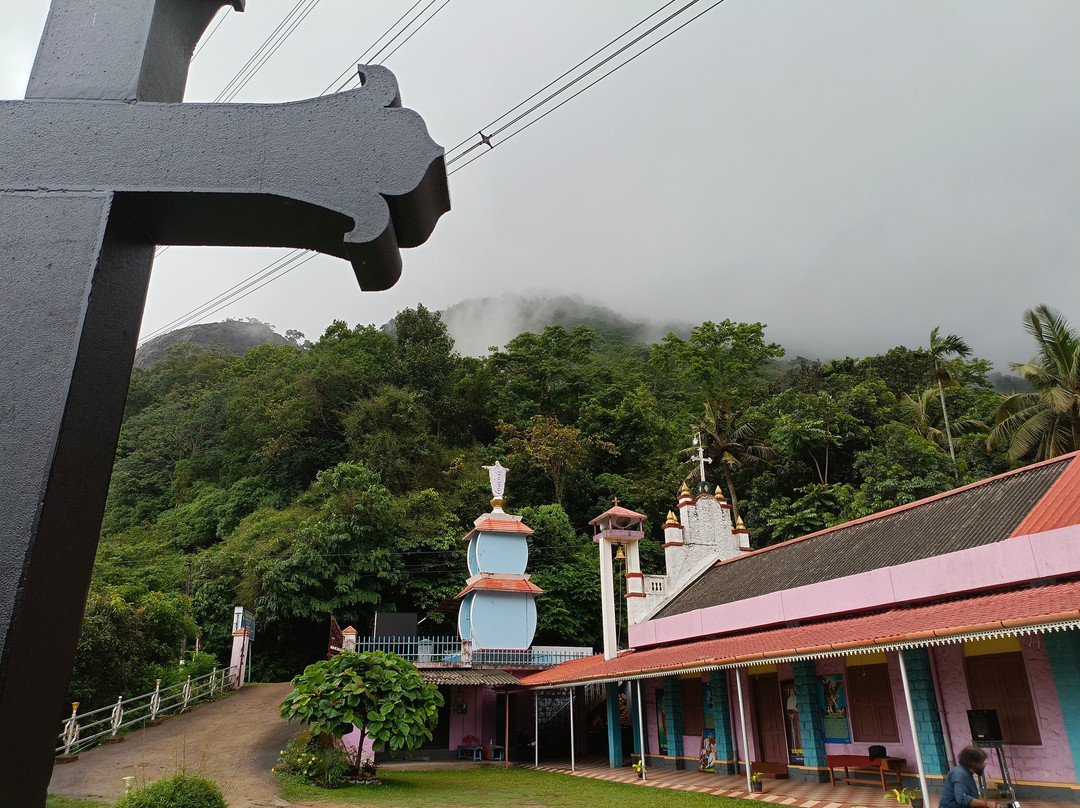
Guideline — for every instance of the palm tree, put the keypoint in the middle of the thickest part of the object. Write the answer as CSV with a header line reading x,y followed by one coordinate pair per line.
x,y
940,348
919,415
731,438
1046,422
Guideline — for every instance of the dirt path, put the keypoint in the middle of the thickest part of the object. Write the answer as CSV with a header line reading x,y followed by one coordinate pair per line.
x,y
234,742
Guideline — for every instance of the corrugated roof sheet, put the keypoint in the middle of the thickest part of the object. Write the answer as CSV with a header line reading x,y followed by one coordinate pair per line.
x,y
618,510
461,676
998,611
972,516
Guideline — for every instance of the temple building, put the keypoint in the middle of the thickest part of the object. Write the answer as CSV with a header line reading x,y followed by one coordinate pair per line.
x,y
900,637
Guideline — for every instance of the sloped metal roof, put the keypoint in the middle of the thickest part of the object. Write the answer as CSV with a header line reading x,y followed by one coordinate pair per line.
x,y
462,676
975,515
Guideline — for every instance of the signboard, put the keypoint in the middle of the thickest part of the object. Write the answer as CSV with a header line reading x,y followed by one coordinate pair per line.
x,y
834,708
243,619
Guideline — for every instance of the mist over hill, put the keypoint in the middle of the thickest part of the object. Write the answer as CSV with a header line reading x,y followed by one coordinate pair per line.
x,y
231,336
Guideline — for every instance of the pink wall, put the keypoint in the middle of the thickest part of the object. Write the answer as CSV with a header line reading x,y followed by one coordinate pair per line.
x,y
480,718
1049,762
1015,560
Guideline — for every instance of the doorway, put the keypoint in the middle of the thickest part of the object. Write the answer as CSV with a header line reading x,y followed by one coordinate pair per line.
x,y
770,730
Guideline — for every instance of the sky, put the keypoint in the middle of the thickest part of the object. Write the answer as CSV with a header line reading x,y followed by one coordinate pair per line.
x,y
850,173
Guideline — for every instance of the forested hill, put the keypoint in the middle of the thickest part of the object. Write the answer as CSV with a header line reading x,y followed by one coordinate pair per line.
x,y
338,477
235,337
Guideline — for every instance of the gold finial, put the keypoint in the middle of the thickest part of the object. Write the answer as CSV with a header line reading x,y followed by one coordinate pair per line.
x,y
739,524
671,518
616,501
498,502
718,493
684,489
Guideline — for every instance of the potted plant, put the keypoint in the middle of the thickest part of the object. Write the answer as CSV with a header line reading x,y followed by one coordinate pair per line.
x,y
639,768
755,782
907,796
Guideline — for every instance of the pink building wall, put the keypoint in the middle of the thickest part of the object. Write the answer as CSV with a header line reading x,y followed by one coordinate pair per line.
x,y
1048,762
478,720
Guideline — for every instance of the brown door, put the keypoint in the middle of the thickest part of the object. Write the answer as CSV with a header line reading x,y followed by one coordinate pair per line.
x,y
770,730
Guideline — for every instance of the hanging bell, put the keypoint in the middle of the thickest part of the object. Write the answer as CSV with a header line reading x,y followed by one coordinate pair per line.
x,y
619,554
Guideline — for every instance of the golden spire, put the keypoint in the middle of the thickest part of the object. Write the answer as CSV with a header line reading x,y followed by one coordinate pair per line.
x,y
672,519
684,490
718,493
739,524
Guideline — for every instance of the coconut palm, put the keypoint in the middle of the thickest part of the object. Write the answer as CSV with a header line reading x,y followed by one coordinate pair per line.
x,y
919,415
731,439
943,373
1045,423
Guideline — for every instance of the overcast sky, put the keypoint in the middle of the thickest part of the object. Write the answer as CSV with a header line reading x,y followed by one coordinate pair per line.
x,y
850,173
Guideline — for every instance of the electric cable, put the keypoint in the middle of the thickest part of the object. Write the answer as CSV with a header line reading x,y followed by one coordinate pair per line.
x,y
486,139
213,31
346,74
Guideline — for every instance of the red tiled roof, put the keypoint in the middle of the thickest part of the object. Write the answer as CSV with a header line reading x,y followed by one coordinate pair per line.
x,y
502,585
1059,507
1010,609
618,511
500,526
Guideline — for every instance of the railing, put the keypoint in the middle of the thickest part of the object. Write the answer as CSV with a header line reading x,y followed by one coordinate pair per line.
x,y
452,650
513,658
415,649
82,731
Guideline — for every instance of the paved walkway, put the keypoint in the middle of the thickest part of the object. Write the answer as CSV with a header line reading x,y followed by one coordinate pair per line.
x,y
795,793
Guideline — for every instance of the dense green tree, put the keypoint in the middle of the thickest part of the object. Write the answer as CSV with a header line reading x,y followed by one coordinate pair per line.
x,y
1045,423
731,438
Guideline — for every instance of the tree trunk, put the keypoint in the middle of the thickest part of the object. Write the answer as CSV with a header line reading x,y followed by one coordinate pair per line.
x,y
731,490
945,415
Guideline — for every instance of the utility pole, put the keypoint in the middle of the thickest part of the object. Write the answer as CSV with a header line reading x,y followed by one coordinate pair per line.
x,y
187,594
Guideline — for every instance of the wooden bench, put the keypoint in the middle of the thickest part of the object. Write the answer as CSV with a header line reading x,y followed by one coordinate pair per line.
x,y
888,768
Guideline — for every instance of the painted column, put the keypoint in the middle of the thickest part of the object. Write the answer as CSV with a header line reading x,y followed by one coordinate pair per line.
x,y
614,726
807,691
1063,649
924,703
633,695
607,597
673,715
720,706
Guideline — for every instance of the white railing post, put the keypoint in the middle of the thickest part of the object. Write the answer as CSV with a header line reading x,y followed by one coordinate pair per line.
x,y
187,693
117,715
155,701
71,729
213,680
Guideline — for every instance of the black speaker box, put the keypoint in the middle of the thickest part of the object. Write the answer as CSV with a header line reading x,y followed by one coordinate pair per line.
x,y
984,726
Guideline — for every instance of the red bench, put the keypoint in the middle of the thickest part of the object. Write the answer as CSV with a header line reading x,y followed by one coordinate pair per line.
x,y
888,768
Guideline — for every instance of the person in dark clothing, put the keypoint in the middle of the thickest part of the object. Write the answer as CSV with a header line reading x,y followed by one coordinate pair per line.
x,y
960,790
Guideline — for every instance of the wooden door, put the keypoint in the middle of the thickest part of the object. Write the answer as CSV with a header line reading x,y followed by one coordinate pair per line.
x,y
770,732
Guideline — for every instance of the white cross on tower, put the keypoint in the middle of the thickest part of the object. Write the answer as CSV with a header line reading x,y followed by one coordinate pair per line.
x,y
700,457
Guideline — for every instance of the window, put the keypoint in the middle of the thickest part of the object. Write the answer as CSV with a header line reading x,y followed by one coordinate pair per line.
x,y
999,682
870,704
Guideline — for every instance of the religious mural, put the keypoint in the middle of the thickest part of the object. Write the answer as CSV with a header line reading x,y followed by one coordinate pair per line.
x,y
834,708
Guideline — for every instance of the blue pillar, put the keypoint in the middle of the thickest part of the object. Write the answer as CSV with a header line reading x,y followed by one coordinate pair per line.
x,y
673,712
614,726
927,718
635,724
1063,648
808,693
721,714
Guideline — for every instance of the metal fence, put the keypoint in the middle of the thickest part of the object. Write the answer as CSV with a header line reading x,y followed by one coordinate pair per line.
x,y
84,730
433,651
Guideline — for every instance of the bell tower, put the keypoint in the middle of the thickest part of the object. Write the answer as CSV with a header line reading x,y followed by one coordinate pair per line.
x,y
620,527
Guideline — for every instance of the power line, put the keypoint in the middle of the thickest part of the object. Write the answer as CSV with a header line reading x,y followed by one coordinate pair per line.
x,y
486,139
347,72
213,31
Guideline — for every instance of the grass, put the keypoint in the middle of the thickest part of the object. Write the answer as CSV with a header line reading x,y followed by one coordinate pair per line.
x,y
489,787
55,801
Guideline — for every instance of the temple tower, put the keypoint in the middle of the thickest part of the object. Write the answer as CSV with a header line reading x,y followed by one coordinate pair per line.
x,y
498,603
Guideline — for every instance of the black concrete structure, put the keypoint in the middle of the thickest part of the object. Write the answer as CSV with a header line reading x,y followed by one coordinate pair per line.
x,y
98,165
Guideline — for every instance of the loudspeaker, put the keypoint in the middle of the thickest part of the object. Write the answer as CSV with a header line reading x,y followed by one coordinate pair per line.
x,y
984,726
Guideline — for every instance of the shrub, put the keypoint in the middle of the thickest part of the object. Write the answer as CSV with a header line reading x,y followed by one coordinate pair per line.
x,y
181,791
308,756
